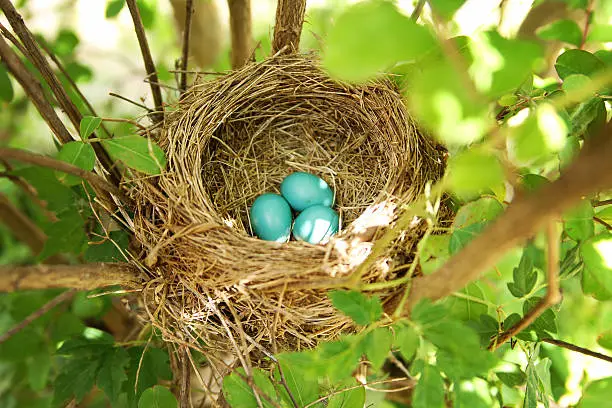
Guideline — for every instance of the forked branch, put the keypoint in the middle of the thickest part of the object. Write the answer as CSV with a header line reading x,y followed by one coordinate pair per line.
x,y
288,27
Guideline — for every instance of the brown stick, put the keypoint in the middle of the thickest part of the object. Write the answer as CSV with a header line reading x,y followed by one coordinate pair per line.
x,y
288,27
24,229
552,297
40,160
35,55
240,27
36,314
590,172
81,277
34,90
185,53
158,116
578,349
184,392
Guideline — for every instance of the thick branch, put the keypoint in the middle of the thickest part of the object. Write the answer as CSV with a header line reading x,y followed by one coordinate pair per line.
x,y
288,28
37,58
158,116
82,277
37,159
591,172
24,229
240,27
186,35
34,90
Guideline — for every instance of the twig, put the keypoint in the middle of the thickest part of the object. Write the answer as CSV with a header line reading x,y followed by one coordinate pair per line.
x,y
240,27
122,120
288,27
587,24
590,172
40,160
552,296
185,53
34,90
283,382
24,229
82,277
602,203
158,115
602,222
353,387
418,9
578,349
184,394
123,98
34,54
9,36
38,313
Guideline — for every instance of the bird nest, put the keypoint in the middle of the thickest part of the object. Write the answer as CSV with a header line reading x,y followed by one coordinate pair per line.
x,y
210,283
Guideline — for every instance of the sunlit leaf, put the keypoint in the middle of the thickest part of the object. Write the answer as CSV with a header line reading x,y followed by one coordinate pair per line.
x,y
473,394
304,386
576,82
433,252
6,88
89,124
597,394
137,152
577,62
605,340
406,340
429,391
579,221
362,309
65,43
596,253
562,30
482,210
446,8
473,171
113,8
376,345
157,397
78,154
600,33
524,276
354,397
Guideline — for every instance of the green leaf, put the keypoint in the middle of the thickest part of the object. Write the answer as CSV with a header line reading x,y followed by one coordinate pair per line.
x,y
468,308
579,224
562,30
85,307
22,345
357,48
588,117
112,373
524,276
576,82
64,236
433,252
541,134
577,62
569,151
362,309
429,391
596,252
446,8
65,43
78,154
507,100
150,364
597,394
473,171
303,386
473,394
59,197
605,56
600,33
147,12
482,210
109,250
376,346
113,7
339,358
6,88
462,236
407,340
238,393
39,367
88,125
605,340
352,398
76,378
157,397
137,153
547,321
605,214
512,378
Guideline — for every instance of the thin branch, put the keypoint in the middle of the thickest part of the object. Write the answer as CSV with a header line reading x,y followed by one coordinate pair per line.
x,y
35,56
418,9
587,25
184,392
240,27
288,27
590,172
602,222
578,349
552,297
67,295
158,116
602,203
186,35
40,160
81,277
123,98
34,90
24,229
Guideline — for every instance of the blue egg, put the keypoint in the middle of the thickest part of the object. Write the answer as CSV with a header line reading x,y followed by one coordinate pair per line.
x,y
271,218
316,224
303,190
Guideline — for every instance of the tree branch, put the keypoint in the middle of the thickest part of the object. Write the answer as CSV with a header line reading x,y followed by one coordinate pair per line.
x,y
240,27
81,277
34,90
35,56
37,159
577,349
288,28
158,116
185,53
185,380
590,172
24,229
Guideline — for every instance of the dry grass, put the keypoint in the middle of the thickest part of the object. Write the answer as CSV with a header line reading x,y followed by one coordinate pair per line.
x,y
214,286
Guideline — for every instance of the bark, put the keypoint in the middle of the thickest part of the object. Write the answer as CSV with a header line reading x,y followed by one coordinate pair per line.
x,y
288,28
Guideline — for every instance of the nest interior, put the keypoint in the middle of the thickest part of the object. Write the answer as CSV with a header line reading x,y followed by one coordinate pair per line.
x,y
236,136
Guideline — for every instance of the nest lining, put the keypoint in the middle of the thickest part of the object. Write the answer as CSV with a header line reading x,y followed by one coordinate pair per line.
x,y
235,137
